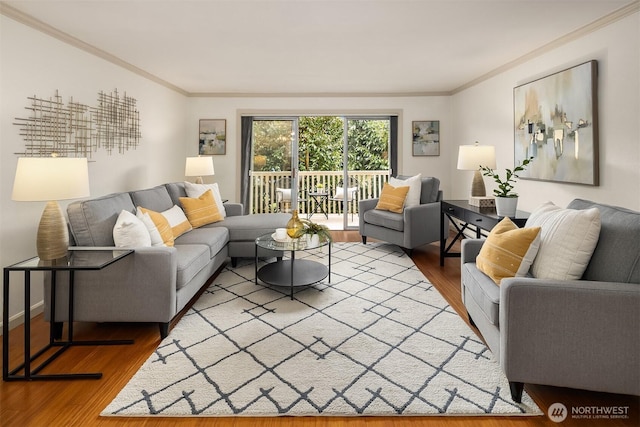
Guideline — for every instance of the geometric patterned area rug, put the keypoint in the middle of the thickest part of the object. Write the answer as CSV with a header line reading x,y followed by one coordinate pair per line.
x,y
378,339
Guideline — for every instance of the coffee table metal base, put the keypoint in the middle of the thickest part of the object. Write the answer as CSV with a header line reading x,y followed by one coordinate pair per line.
x,y
302,272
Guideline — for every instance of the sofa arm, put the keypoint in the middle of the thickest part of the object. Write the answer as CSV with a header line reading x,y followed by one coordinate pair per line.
x,y
140,287
469,249
421,224
579,334
234,209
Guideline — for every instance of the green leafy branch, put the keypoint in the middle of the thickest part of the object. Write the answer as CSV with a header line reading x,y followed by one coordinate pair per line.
x,y
505,187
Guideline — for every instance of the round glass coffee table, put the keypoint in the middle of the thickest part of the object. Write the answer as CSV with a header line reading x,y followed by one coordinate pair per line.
x,y
291,272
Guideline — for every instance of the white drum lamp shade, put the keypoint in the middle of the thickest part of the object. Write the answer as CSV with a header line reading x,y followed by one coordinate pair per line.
x,y
471,157
199,167
50,179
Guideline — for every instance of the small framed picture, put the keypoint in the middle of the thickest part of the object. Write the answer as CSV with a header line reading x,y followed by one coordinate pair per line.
x,y
426,138
213,137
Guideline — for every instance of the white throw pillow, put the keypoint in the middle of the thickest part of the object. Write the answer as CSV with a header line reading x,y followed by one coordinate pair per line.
x,y
154,234
415,189
196,190
177,221
130,232
340,193
567,240
285,192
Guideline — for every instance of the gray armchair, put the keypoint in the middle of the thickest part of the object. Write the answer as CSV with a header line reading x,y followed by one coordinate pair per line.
x,y
580,334
415,226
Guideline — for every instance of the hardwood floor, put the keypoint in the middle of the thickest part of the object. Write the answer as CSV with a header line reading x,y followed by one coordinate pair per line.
x,y
79,402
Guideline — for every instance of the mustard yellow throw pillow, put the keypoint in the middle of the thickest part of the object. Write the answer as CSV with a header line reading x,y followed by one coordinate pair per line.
x,y
162,224
508,251
392,198
202,210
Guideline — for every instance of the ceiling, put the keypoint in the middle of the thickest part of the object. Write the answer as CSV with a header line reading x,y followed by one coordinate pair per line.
x,y
315,47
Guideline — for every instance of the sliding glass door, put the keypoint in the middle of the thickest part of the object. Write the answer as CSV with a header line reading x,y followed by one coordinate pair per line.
x,y
320,165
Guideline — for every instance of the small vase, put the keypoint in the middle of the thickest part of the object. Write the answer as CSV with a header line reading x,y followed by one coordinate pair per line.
x,y
294,226
506,206
313,240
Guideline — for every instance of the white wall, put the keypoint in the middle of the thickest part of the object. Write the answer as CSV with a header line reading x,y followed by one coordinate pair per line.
x,y
32,63
408,108
485,113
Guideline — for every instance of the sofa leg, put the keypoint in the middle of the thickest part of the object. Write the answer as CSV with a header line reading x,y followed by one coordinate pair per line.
x,y
471,320
234,262
164,330
364,240
57,330
516,391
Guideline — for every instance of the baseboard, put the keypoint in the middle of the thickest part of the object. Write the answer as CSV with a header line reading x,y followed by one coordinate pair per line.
x,y
18,319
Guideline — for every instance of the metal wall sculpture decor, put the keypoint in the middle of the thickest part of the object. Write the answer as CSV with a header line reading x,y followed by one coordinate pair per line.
x,y
556,122
54,127
77,130
117,122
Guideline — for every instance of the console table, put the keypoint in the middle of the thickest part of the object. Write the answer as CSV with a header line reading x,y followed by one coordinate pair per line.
x,y
76,260
472,218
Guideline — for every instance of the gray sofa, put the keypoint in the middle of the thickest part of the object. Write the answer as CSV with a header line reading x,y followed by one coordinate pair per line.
x,y
580,334
415,226
155,283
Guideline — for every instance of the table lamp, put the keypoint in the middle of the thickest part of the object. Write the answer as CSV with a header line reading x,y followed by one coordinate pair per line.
x,y
471,157
50,179
199,167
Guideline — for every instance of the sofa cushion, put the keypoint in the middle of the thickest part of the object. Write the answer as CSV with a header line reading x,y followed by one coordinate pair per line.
x,y
616,257
162,225
386,219
250,227
415,189
483,290
92,221
156,198
567,240
191,259
154,234
392,198
201,210
130,231
214,238
177,221
197,190
508,251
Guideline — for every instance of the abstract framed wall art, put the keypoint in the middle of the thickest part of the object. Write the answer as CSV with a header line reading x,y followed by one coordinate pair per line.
x,y
556,123
213,137
426,138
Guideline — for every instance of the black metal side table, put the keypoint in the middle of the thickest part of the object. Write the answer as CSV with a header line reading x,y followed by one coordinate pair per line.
x,y
472,218
316,204
77,259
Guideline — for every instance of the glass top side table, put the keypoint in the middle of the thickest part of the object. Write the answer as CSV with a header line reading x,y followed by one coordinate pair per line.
x,y
291,273
78,259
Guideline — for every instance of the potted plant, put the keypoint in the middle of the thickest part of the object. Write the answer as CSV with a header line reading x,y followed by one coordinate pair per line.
x,y
314,233
506,198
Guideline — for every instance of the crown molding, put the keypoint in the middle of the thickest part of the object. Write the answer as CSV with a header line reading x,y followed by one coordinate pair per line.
x,y
36,24
314,94
602,22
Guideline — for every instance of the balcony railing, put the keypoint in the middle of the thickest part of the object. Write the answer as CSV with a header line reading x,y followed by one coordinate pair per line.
x,y
263,197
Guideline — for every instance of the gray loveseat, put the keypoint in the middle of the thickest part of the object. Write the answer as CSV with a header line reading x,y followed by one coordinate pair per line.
x,y
155,283
581,334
